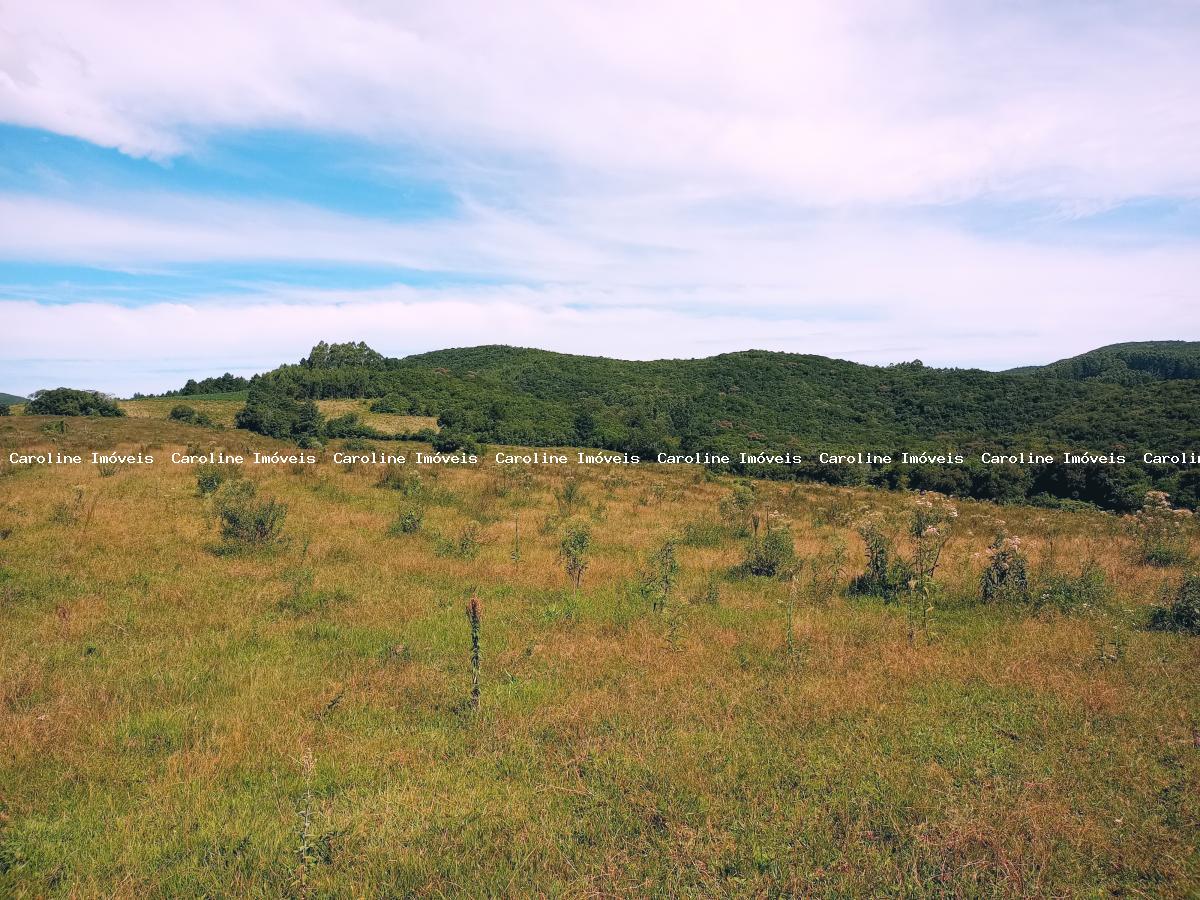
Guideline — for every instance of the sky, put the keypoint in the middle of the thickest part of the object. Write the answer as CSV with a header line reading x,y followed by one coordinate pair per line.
x,y
193,188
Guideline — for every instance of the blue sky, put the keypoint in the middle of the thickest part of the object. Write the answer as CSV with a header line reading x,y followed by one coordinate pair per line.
x,y
187,189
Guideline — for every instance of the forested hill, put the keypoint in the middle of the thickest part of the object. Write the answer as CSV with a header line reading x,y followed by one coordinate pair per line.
x,y
1128,398
1135,363
758,399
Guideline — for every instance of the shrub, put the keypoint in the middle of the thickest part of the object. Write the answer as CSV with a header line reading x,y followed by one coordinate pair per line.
x,y
181,412
770,555
929,525
573,551
1161,532
270,411
1006,577
569,497
247,519
392,403
449,441
886,575
350,425
409,521
659,575
396,478
1069,593
1181,613
210,476
5,410
70,402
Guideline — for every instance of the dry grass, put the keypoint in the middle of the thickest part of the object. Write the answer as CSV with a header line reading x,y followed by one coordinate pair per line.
x,y
223,410
159,700
385,422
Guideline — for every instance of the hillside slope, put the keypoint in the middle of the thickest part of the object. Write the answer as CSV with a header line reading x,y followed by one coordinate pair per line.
x,y
1127,400
1131,363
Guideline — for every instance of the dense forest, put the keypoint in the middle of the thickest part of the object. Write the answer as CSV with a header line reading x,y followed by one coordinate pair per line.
x,y
1126,399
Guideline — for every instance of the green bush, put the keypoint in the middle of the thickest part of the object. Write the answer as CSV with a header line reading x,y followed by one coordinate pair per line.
x,y
210,476
350,425
1006,577
659,576
409,521
5,410
887,575
181,412
770,555
394,404
70,402
397,478
448,441
573,551
1161,531
272,412
1181,613
247,519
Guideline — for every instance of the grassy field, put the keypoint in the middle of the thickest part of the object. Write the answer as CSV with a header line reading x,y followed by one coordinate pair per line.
x,y
221,408
182,715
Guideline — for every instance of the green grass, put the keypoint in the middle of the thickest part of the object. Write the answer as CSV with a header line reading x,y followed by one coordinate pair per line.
x,y
170,717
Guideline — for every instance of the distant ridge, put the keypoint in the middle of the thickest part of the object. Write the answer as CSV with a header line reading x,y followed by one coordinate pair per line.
x,y
1107,425
1131,363
12,399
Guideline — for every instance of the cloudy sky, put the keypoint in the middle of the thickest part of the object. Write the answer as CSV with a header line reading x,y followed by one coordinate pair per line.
x,y
190,188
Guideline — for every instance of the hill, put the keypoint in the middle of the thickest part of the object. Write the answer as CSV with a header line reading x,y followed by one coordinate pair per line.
x,y
767,402
1132,363
11,399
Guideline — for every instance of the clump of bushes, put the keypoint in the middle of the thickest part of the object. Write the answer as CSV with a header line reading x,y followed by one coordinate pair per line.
x,y
5,410
397,478
210,476
450,441
1006,577
181,412
889,573
409,521
71,402
350,425
569,497
247,519
270,411
1161,531
769,555
394,404
886,574
1181,612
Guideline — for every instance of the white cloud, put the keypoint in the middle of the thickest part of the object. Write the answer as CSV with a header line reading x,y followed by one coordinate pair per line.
x,y
124,349
821,103
676,179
